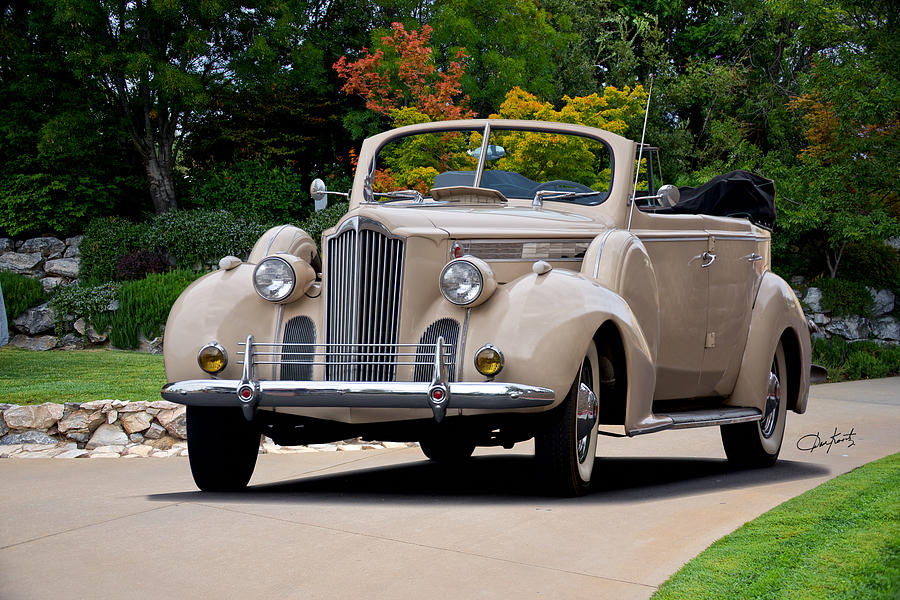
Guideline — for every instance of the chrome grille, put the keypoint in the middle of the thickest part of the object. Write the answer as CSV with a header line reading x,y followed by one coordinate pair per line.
x,y
365,278
449,330
299,343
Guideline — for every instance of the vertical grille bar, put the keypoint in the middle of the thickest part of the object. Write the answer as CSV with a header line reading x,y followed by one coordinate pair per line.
x,y
449,330
363,294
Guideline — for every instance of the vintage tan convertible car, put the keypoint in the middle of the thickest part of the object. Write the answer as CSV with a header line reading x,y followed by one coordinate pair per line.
x,y
495,281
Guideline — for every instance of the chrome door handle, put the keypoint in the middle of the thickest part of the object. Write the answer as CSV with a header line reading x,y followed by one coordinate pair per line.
x,y
708,256
754,257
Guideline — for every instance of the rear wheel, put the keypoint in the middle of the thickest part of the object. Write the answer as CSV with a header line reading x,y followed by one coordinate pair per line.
x,y
222,448
565,450
757,444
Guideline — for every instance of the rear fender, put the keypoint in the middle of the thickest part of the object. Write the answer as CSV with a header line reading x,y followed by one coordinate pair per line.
x,y
776,313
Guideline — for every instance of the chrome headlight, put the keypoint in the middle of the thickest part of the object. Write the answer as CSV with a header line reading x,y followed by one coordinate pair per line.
x,y
274,279
467,281
461,282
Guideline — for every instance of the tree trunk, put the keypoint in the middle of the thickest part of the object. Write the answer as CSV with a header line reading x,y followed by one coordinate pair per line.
x,y
834,259
162,185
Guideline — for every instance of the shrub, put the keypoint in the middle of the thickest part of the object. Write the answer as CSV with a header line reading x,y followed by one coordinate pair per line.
x,y
842,297
197,238
138,264
257,189
322,220
87,301
19,294
144,306
105,241
873,264
862,365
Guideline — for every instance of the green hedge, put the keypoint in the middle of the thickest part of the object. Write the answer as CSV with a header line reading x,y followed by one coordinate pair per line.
x,y
144,306
842,297
70,302
856,360
19,294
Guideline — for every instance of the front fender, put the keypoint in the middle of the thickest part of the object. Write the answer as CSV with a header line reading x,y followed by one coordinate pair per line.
x,y
777,315
543,324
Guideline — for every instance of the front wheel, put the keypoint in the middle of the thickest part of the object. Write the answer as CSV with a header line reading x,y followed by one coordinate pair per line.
x,y
566,448
757,444
222,448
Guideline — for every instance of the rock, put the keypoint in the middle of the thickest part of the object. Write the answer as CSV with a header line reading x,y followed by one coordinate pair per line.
x,y
155,432
44,245
821,319
79,435
136,422
73,246
813,299
153,346
136,438
27,437
70,341
893,242
885,328
117,448
38,344
118,404
850,328
25,264
10,449
163,443
35,320
72,454
883,301
324,447
64,267
81,419
798,280
164,404
3,428
139,450
130,407
50,283
88,331
95,405
103,455
47,452
175,422
107,435
6,245
42,416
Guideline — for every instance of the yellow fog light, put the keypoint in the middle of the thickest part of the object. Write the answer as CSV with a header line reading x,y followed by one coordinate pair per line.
x,y
488,360
212,358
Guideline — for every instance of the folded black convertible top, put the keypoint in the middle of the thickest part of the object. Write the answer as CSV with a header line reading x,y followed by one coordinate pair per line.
x,y
735,194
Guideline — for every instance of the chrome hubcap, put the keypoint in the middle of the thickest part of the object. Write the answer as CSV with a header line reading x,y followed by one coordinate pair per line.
x,y
585,421
773,397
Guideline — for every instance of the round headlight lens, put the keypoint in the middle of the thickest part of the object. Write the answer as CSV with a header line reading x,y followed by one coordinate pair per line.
x,y
273,279
212,358
461,282
488,360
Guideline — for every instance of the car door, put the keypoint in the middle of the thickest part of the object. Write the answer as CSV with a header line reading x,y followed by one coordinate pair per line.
x,y
734,276
678,245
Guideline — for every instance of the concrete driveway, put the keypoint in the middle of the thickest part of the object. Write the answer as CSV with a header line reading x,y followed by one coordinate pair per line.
x,y
389,524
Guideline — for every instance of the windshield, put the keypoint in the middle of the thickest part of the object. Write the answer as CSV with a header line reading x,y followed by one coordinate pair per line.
x,y
518,164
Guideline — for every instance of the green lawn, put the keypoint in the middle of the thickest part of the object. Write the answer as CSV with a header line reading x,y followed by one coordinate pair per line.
x,y
28,377
839,540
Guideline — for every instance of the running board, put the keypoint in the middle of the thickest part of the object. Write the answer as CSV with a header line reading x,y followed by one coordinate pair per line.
x,y
709,417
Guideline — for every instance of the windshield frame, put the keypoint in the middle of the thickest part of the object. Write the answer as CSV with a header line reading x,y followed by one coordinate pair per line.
x,y
486,127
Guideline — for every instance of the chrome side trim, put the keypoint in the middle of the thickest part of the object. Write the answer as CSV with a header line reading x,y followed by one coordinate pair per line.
x,y
712,417
692,238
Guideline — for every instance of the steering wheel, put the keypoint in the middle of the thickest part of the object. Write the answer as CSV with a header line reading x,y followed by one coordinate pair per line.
x,y
561,185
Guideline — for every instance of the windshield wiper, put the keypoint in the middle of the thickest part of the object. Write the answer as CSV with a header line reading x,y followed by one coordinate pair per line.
x,y
541,195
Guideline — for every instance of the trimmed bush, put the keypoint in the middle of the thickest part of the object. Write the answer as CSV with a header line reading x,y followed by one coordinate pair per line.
x,y
862,365
138,264
105,241
859,360
144,306
19,294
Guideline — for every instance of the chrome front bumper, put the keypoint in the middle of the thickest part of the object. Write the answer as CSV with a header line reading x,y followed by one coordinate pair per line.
x,y
438,395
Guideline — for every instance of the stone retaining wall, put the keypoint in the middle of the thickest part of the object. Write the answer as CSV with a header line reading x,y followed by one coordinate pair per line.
x,y
882,326
113,428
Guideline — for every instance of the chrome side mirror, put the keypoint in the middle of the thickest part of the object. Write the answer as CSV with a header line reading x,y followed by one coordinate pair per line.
x,y
668,195
319,193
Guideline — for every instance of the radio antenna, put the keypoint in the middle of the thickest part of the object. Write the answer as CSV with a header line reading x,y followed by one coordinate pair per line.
x,y
637,171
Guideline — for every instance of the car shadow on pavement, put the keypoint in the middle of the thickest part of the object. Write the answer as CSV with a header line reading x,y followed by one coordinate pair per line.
x,y
510,479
